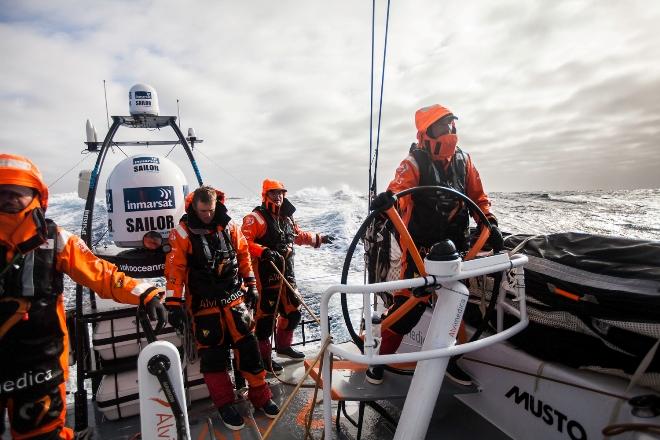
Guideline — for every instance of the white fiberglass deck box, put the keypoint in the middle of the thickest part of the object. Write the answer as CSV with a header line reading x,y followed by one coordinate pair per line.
x,y
117,338
118,396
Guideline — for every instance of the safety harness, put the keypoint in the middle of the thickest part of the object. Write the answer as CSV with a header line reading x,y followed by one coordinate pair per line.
x,y
440,217
279,234
213,264
29,277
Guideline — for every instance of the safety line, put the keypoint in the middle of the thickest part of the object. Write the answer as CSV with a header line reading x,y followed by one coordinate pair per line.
x,y
540,376
373,154
250,191
371,97
382,85
68,171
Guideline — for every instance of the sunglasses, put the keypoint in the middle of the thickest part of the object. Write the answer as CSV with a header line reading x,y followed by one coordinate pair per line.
x,y
16,193
441,127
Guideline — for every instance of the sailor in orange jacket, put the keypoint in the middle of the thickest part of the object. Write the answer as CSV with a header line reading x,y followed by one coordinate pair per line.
x,y
35,253
435,160
271,233
209,257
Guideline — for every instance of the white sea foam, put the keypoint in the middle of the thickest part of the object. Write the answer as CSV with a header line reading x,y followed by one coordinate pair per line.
x,y
634,214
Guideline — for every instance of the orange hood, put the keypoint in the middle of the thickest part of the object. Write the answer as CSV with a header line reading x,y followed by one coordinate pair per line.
x,y
19,170
426,116
269,185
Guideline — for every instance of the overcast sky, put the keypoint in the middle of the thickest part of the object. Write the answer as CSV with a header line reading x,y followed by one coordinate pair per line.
x,y
551,95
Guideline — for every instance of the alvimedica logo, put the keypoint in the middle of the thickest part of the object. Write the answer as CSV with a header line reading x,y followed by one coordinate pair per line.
x,y
149,198
27,380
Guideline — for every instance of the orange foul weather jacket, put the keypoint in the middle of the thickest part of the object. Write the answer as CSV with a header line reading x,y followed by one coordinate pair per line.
x,y
176,269
215,299
255,227
33,332
280,236
407,176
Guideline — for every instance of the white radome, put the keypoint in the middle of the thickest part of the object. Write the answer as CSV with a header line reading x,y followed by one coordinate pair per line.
x,y
143,100
144,193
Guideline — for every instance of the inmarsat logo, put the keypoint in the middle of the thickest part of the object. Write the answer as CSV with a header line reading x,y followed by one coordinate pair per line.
x,y
141,94
142,97
149,198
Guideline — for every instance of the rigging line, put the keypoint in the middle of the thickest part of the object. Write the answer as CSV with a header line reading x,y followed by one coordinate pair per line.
x,y
551,379
171,149
107,115
382,84
100,238
371,98
250,191
69,170
119,148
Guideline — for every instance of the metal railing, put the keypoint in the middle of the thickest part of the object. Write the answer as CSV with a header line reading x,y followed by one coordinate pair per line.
x,y
450,291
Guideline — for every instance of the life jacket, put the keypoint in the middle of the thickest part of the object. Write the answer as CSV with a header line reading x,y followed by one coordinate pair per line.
x,y
279,234
437,217
213,264
32,275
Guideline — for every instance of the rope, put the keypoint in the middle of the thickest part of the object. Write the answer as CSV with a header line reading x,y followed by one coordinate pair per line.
x,y
373,154
171,149
634,427
188,340
100,238
69,170
277,304
382,84
371,97
310,415
272,334
250,191
297,388
641,369
119,148
540,376
521,244
295,292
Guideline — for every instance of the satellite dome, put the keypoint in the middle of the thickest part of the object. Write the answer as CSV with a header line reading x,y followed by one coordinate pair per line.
x,y
144,193
143,100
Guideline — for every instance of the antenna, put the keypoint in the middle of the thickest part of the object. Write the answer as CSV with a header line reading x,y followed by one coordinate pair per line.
x,y
105,94
178,114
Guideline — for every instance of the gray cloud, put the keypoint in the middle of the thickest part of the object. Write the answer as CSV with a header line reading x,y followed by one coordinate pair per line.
x,y
559,95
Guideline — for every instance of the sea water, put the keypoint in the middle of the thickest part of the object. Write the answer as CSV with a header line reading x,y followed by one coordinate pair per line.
x,y
628,213
633,214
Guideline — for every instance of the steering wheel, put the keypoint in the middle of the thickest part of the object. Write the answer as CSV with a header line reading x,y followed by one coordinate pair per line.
x,y
405,237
